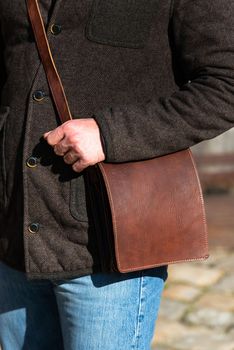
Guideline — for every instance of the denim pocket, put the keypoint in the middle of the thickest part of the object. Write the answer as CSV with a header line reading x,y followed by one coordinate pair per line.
x,y
125,23
4,112
78,199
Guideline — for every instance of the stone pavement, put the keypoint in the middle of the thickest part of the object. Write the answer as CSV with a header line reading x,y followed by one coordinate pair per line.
x,y
197,309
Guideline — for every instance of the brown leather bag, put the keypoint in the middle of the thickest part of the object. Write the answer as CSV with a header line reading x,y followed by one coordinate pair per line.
x,y
152,210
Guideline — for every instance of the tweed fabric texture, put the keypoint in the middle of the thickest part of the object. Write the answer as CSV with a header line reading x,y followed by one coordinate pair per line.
x,y
158,77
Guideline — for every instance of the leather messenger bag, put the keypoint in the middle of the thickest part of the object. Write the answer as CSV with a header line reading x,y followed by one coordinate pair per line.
x,y
153,210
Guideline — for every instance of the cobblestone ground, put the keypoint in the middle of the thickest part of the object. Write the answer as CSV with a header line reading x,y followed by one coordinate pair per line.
x,y
197,309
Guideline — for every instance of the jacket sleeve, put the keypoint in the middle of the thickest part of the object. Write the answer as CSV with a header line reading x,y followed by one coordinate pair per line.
x,y
203,43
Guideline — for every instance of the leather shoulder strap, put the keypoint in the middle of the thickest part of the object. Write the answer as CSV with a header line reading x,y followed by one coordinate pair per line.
x,y
43,46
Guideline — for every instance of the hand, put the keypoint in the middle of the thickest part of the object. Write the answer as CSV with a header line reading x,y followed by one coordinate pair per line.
x,y
78,141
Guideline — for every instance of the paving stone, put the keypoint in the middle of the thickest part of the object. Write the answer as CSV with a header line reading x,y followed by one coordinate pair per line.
x,y
159,347
167,332
197,309
225,285
231,333
171,309
210,318
205,340
201,276
217,301
181,337
227,264
182,292
217,256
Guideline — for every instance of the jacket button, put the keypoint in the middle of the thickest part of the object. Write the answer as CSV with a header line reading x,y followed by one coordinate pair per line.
x,y
32,162
38,95
55,29
34,227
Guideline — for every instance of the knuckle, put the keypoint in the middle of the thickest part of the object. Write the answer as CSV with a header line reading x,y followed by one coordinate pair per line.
x,y
70,138
68,127
79,166
56,150
92,163
82,161
70,158
59,149
76,167
67,159
76,148
59,131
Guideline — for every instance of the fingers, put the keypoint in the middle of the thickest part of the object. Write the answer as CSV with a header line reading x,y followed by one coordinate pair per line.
x,y
79,166
78,142
61,148
70,158
78,163
55,136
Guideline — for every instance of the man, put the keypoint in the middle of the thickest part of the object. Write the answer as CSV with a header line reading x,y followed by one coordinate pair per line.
x,y
143,78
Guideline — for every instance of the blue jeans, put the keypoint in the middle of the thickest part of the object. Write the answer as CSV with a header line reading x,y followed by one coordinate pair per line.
x,y
99,311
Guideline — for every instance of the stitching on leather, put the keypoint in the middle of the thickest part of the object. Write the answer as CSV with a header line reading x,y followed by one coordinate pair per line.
x,y
115,228
163,264
205,232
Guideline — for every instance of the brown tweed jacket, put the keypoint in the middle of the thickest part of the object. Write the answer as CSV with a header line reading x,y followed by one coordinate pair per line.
x,y
158,77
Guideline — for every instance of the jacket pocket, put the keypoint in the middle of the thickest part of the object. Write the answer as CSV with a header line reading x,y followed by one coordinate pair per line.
x,y
78,199
125,23
4,112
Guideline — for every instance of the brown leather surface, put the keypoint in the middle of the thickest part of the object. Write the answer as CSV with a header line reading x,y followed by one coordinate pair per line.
x,y
53,78
157,207
157,211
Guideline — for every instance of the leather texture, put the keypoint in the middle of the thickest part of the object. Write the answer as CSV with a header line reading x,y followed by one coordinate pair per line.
x,y
157,211
54,81
155,207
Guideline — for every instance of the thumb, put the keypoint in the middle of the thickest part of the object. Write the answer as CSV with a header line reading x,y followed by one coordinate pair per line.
x,y
46,134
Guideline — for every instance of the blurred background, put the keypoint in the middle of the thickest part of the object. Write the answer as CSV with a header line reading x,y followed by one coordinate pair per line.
x,y
197,309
